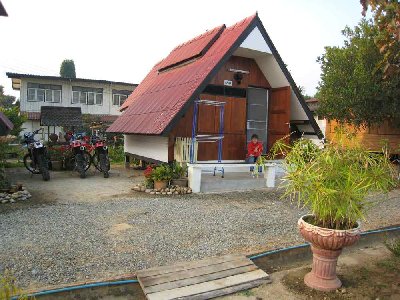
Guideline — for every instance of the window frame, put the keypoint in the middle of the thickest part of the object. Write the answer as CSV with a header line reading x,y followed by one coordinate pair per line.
x,y
77,90
44,89
95,99
119,99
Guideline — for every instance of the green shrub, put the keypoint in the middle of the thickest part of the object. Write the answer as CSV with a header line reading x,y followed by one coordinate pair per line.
x,y
162,173
55,153
177,170
393,246
116,154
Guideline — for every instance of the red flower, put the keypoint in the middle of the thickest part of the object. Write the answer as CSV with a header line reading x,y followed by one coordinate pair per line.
x,y
147,173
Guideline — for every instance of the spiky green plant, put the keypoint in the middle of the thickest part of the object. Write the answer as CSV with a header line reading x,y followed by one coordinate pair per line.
x,y
8,288
334,182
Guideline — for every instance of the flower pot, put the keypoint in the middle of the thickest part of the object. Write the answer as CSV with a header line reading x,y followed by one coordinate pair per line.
x,y
180,182
56,165
326,245
159,185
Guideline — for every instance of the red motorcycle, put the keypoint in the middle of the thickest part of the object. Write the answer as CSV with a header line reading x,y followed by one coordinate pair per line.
x,y
100,157
81,159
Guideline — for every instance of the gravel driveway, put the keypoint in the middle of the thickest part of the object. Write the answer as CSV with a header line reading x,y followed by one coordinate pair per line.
x,y
48,242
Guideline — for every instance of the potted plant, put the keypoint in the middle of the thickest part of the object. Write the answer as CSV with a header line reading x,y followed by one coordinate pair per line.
x,y
178,174
333,183
161,175
148,174
55,158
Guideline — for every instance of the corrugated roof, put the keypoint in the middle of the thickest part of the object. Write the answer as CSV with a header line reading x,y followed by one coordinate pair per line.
x,y
60,116
162,95
108,118
58,78
191,49
32,115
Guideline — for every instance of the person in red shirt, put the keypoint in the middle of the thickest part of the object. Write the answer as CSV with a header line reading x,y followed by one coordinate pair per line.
x,y
254,150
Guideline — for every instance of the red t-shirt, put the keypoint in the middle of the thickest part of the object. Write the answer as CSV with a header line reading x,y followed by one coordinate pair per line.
x,y
254,149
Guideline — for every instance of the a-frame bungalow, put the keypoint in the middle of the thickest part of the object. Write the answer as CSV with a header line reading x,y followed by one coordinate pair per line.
x,y
237,65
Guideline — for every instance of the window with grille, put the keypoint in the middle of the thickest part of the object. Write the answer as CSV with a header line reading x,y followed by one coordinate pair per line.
x,y
119,96
89,96
44,93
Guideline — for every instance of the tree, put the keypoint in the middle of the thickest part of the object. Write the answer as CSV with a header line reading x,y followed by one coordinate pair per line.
x,y
387,18
6,100
303,92
352,89
67,69
15,117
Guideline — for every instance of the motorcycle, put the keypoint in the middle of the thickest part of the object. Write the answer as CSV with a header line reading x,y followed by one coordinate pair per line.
x,y
36,160
100,157
81,159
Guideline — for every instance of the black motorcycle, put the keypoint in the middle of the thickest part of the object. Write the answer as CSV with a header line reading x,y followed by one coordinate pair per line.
x,y
36,160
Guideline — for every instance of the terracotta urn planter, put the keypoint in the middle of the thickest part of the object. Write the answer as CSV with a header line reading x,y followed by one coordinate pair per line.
x,y
159,185
326,246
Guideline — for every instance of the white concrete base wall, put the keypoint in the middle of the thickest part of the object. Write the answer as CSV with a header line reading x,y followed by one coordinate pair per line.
x,y
154,147
32,125
195,172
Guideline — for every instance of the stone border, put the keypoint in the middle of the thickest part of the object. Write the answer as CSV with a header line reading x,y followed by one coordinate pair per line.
x,y
22,195
169,191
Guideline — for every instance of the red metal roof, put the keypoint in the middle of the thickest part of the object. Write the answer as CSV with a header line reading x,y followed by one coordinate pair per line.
x,y
191,49
108,118
162,95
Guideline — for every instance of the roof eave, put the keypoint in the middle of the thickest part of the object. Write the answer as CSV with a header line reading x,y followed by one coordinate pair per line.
x,y
3,11
20,76
290,79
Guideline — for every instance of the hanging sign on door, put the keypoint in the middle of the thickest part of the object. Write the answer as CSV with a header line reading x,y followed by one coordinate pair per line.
x,y
228,82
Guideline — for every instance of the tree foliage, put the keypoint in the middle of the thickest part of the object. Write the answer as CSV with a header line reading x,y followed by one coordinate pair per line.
x,y
302,91
67,69
387,18
6,100
352,89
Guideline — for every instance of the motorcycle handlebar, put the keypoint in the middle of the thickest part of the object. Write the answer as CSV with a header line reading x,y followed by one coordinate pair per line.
x,y
37,131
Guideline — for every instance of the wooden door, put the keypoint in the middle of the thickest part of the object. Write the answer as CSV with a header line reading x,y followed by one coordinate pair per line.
x,y
234,142
278,114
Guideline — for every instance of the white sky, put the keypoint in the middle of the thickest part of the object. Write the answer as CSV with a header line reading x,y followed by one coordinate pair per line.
x,y
121,40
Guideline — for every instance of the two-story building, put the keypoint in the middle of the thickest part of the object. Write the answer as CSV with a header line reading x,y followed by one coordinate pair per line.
x,y
99,98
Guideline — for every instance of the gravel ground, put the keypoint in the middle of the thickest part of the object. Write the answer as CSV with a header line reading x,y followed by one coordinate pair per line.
x,y
55,243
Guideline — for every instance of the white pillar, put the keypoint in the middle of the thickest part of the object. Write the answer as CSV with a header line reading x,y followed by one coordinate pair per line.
x,y
194,177
270,175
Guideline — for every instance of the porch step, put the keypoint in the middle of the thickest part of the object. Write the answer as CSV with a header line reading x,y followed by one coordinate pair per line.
x,y
203,279
235,181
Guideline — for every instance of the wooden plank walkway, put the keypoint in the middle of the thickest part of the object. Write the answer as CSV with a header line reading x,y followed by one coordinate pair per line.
x,y
203,279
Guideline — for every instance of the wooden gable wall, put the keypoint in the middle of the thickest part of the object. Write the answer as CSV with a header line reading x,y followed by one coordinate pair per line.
x,y
234,143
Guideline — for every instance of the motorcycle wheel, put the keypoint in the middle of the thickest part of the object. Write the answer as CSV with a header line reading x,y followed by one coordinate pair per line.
x,y
104,164
88,160
80,165
96,163
44,167
30,165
